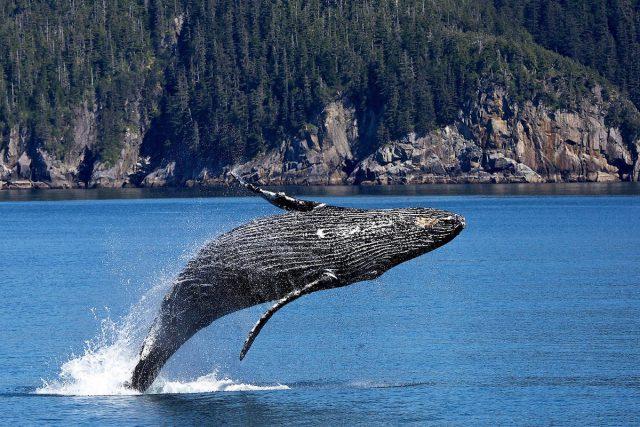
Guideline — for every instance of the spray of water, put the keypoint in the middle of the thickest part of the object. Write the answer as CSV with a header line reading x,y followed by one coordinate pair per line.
x,y
108,360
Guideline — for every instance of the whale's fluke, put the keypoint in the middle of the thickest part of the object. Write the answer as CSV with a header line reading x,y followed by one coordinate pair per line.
x,y
328,280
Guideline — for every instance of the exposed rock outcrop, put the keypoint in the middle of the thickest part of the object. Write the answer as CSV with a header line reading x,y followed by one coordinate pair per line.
x,y
318,155
22,166
122,173
495,139
161,177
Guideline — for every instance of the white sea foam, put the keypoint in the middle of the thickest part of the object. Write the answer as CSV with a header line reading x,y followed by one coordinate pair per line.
x,y
108,361
101,371
106,372
209,383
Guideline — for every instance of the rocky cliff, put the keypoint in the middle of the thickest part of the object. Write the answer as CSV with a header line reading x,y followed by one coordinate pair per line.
x,y
79,166
499,140
177,93
319,155
495,139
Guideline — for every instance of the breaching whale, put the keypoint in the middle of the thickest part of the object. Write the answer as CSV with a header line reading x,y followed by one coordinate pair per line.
x,y
311,247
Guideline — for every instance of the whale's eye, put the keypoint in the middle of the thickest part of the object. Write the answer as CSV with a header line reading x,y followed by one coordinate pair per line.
x,y
426,222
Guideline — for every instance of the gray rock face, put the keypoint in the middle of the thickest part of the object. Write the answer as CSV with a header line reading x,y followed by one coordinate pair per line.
x,y
119,174
161,177
77,167
24,167
11,150
497,140
494,139
319,155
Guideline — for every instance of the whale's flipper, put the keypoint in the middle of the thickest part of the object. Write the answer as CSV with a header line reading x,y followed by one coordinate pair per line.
x,y
326,281
281,200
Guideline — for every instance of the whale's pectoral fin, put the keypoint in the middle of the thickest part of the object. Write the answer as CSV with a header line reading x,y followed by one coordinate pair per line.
x,y
326,281
281,200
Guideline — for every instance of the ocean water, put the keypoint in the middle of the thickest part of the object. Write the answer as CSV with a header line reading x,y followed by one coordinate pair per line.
x,y
530,316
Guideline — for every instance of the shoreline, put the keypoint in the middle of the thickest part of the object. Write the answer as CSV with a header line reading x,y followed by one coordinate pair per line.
x,y
399,190
219,183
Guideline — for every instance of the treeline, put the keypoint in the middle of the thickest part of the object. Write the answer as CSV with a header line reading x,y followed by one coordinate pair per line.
x,y
217,81
604,35
58,55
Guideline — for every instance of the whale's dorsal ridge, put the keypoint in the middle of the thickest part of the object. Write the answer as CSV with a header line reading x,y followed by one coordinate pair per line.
x,y
327,280
280,199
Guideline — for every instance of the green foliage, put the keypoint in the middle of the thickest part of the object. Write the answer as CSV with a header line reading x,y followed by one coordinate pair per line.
x,y
59,54
627,118
219,81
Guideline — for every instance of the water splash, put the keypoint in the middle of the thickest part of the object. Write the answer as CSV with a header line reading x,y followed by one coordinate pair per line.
x,y
101,371
108,360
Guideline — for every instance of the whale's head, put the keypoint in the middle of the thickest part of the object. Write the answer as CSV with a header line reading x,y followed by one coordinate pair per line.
x,y
393,236
424,229
433,225
416,231
378,240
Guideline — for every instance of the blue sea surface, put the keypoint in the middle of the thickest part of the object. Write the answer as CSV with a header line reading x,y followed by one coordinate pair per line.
x,y
530,316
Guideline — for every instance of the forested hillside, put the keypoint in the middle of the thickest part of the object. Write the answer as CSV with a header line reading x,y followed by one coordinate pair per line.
x,y
108,92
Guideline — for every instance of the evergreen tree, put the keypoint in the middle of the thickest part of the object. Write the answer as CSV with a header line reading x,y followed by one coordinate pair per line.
x,y
218,81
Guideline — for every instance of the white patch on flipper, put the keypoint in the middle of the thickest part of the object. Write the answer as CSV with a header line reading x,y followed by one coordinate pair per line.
x,y
320,233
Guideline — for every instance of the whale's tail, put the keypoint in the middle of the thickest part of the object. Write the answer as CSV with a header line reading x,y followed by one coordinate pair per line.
x,y
187,308
181,315
169,331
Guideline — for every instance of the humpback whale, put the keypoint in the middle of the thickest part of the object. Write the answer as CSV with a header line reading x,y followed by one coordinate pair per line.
x,y
311,247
